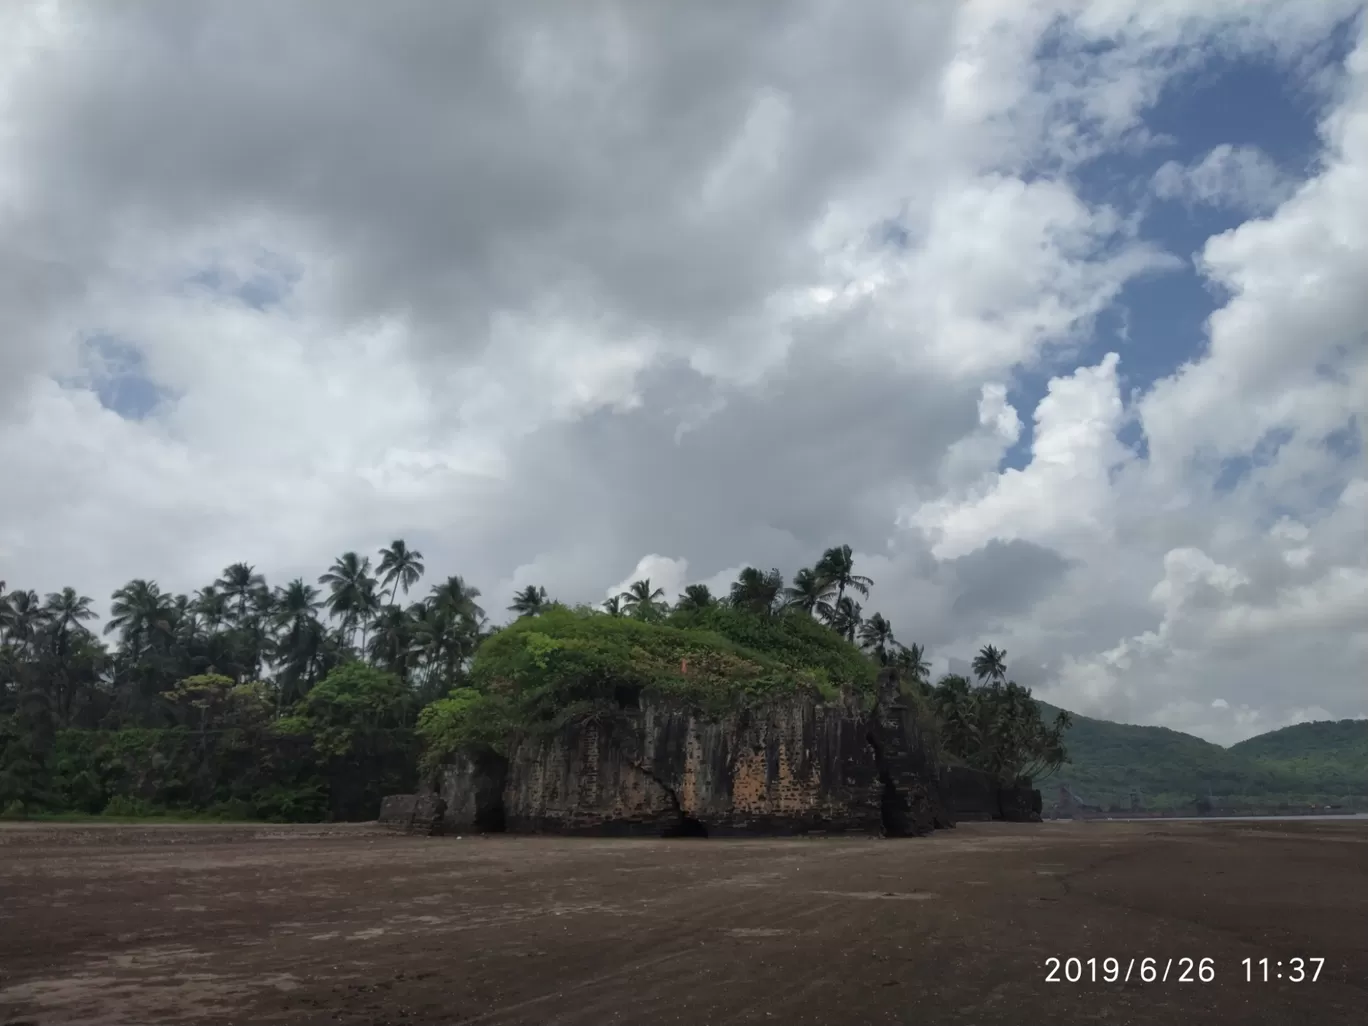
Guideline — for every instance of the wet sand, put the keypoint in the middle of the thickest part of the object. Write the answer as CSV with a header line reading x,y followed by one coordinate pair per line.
x,y
346,924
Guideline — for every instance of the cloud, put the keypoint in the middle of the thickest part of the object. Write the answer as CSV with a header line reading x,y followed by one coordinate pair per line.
x,y
662,572
542,291
1242,178
1061,495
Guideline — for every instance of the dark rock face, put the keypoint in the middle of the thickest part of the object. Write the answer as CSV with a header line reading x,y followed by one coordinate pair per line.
x,y
473,790
413,813
396,811
975,795
793,767
971,794
1019,804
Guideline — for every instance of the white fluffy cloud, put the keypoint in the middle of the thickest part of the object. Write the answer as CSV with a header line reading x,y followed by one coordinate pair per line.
x,y
542,291
1242,177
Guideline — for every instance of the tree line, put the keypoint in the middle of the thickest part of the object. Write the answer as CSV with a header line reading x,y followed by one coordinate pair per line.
x,y
238,643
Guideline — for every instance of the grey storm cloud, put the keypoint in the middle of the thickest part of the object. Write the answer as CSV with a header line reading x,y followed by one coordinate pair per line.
x,y
457,160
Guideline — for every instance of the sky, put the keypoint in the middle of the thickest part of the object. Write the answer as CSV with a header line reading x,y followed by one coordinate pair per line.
x,y
1054,311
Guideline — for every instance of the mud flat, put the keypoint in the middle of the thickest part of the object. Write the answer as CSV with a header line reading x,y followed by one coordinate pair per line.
x,y
347,924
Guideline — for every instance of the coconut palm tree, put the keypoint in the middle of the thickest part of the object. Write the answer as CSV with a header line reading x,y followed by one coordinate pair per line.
x,y
66,613
456,595
351,590
757,590
238,582
845,618
695,596
391,646
641,601
529,602
369,609
837,568
400,566
446,636
295,605
911,660
957,707
990,664
811,593
142,614
613,605
876,637
212,607
298,640
25,617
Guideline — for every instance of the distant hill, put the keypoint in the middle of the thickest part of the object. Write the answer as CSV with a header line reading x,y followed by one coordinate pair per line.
x,y
1332,754
1321,762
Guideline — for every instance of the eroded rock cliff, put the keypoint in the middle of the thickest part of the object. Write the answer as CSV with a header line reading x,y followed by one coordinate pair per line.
x,y
790,767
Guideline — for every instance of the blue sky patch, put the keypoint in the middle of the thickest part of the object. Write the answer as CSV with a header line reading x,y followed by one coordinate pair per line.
x,y
1158,322
269,283
119,378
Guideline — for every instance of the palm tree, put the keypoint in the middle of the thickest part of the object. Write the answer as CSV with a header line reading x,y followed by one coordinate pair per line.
x,y
24,618
837,568
212,605
957,708
845,618
189,625
238,582
446,635
990,664
299,638
911,660
757,590
391,646
400,566
67,612
811,593
139,612
295,605
350,590
695,596
529,602
613,605
876,636
456,595
641,601
368,609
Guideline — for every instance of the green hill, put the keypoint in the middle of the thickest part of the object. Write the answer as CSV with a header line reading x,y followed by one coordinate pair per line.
x,y
1323,763
1330,756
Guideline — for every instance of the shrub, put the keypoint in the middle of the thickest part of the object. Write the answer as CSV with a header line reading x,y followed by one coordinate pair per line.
x,y
466,720
304,803
125,806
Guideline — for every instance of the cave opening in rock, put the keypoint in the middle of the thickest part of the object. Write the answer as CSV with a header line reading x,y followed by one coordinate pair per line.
x,y
490,819
685,826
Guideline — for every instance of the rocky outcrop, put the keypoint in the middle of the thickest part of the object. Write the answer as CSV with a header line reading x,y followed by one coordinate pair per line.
x,y
1019,804
972,794
795,766
413,813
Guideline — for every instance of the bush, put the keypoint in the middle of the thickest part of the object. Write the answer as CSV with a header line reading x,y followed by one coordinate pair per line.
x,y
568,658
306,803
132,808
465,721
14,810
233,809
